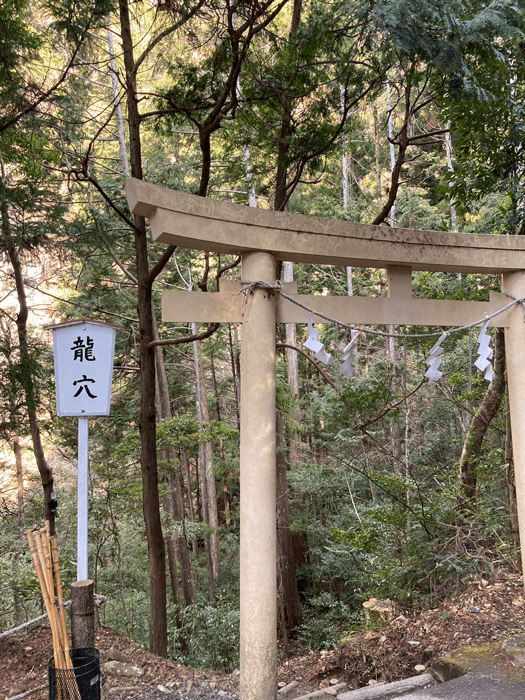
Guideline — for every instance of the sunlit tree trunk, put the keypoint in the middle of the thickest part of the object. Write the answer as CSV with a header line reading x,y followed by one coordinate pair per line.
x,y
392,149
294,445
394,420
118,106
291,606
26,373
377,156
450,164
347,192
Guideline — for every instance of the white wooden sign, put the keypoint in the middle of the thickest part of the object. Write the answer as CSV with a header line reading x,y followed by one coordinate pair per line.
x,y
83,352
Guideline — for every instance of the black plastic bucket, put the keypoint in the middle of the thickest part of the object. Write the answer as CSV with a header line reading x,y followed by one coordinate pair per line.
x,y
82,682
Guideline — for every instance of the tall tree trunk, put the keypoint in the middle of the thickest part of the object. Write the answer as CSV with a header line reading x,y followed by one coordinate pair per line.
x,y
291,604
347,192
236,368
189,498
171,548
395,426
148,449
294,446
207,480
173,501
188,580
450,164
392,150
21,530
488,408
377,156
27,377
118,105
281,175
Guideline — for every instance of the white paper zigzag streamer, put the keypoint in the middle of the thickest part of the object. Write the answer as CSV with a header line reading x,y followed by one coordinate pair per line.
x,y
485,352
433,373
348,356
314,344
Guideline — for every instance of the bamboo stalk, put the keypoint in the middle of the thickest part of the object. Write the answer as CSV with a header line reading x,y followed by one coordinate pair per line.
x,y
56,571
61,632
43,586
44,552
48,593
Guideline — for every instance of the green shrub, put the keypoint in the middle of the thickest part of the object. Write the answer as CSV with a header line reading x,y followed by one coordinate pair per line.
x,y
208,638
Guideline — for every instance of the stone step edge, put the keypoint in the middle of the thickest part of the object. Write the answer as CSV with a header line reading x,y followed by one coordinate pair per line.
x,y
329,690
389,690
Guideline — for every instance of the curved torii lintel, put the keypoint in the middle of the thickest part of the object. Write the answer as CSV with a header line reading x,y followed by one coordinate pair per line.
x,y
196,222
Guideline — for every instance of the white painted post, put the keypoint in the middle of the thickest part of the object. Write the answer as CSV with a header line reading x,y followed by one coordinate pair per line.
x,y
514,283
82,499
83,352
258,546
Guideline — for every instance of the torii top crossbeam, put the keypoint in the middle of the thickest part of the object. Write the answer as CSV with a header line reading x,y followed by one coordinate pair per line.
x,y
204,224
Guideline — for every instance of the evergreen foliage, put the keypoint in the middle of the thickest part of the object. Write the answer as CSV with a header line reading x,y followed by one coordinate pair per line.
x,y
229,97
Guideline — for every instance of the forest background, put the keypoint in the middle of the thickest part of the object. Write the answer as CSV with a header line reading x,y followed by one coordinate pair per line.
x,y
393,113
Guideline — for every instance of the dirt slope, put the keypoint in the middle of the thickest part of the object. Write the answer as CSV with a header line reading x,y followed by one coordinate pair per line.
x,y
488,611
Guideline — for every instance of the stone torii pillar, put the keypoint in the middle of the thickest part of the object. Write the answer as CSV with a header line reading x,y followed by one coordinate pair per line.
x,y
258,545
514,283
262,238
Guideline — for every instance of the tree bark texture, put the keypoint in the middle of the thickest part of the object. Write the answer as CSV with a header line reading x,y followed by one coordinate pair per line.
x,y
281,175
377,156
181,542
148,448
82,615
235,356
21,530
472,446
291,603
207,476
294,449
291,606
27,378
173,502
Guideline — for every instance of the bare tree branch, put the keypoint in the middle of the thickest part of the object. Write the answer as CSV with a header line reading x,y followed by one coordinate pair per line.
x,y
212,327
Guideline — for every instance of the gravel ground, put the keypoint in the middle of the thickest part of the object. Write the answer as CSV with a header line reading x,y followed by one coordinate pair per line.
x,y
200,693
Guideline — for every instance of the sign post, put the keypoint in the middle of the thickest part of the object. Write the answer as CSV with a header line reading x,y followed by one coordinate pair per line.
x,y
83,352
82,498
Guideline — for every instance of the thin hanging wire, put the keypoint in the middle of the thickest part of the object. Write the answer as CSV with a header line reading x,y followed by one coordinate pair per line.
x,y
250,285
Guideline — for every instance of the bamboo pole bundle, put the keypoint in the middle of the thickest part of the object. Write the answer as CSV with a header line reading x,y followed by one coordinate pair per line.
x,y
58,582
44,552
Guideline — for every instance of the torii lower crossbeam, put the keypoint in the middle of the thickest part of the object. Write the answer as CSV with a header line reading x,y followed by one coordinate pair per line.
x,y
261,238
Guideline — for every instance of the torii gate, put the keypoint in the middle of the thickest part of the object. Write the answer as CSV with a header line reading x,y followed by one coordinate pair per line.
x,y
262,238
